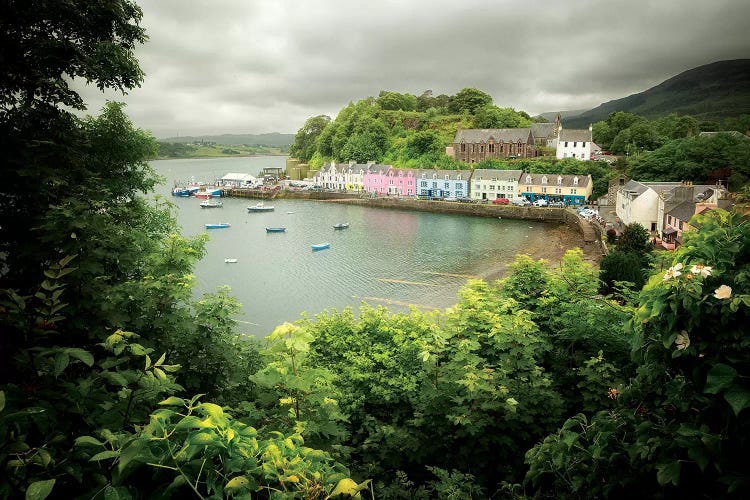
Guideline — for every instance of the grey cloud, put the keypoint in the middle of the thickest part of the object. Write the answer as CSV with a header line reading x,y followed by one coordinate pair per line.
x,y
235,66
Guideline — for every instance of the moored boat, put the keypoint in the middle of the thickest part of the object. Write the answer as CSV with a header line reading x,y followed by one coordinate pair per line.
x,y
218,225
211,204
260,207
203,194
320,246
275,229
342,225
230,261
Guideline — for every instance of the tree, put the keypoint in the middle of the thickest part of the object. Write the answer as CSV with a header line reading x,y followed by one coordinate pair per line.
x,y
493,117
304,145
469,99
397,101
634,238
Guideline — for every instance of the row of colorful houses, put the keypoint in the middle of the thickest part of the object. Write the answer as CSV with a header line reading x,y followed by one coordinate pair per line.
x,y
477,184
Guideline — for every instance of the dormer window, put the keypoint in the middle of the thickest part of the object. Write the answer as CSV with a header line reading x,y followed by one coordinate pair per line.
x,y
424,176
434,176
458,177
544,180
528,179
575,180
559,180
447,177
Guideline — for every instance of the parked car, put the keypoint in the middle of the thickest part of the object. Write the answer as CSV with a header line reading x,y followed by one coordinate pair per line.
x,y
541,202
464,199
558,204
450,198
501,201
523,202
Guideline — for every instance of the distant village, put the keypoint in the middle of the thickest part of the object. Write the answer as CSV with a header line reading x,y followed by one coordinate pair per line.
x,y
663,208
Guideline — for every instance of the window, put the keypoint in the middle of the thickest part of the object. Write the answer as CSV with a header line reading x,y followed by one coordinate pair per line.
x,y
574,191
492,187
434,185
491,148
528,179
481,148
544,179
447,177
669,219
423,184
463,147
566,144
575,180
544,190
559,180
680,225
575,144
583,144
477,186
447,185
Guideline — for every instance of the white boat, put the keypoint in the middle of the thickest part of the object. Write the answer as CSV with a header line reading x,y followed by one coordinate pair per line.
x,y
230,261
259,207
211,204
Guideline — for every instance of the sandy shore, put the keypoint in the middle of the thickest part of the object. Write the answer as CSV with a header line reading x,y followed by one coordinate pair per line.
x,y
559,240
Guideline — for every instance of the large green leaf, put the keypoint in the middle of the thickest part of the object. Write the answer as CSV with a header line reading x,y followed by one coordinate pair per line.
x,y
40,489
738,398
669,473
719,377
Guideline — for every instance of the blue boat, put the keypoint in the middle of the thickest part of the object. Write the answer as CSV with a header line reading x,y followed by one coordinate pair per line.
x,y
275,229
218,225
320,246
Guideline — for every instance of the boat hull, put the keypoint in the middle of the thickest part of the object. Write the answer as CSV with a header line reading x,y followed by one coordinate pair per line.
x,y
275,229
320,246
217,226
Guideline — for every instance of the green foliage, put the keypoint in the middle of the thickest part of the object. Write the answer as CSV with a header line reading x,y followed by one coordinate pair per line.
x,y
635,238
681,424
305,141
193,448
175,150
397,101
622,266
469,100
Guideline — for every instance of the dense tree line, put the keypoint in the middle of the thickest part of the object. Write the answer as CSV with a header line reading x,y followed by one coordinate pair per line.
x,y
115,382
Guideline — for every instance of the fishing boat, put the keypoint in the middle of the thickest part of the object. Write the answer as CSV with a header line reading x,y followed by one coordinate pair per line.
x,y
342,225
218,225
275,229
185,191
320,246
259,207
230,261
203,194
211,204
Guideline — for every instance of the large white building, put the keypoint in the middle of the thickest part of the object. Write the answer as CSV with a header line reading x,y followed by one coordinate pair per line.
x,y
489,184
574,144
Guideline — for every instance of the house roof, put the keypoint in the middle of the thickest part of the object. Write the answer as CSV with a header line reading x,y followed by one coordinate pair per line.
x,y
490,173
543,130
575,135
566,181
475,135
238,177
669,230
452,174
683,211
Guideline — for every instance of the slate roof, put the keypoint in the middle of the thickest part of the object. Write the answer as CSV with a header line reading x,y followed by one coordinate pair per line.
x,y
576,135
546,130
503,175
567,180
452,174
683,211
476,135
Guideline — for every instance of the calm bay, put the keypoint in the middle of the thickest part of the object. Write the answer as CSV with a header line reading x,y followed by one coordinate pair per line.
x,y
394,258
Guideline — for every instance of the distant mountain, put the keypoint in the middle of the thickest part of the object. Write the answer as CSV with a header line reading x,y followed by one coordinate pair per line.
x,y
711,92
551,115
274,139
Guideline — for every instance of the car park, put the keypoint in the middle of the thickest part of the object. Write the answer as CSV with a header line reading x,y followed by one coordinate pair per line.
x,y
501,201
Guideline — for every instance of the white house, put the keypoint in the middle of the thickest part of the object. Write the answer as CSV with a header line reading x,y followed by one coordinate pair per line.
x,y
239,180
639,202
574,144
489,184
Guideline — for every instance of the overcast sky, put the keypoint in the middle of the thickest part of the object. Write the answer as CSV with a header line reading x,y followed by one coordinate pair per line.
x,y
259,66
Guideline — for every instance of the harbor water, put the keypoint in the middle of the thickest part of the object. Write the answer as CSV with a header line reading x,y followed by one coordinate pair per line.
x,y
393,258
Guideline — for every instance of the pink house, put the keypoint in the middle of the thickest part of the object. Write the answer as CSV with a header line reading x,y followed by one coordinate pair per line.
x,y
386,180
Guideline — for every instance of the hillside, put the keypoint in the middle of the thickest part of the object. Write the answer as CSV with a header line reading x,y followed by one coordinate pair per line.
x,y
273,139
710,92
550,115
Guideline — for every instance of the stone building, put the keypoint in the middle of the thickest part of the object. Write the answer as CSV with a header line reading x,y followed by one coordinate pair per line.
x,y
475,145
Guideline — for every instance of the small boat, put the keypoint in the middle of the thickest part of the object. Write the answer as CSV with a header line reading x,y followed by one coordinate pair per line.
x,y
342,225
320,246
203,194
211,204
290,212
275,229
259,207
218,225
230,261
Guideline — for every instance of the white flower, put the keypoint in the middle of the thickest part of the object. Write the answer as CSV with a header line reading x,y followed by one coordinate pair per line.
x,y
673,272
682,340
704,271
723,292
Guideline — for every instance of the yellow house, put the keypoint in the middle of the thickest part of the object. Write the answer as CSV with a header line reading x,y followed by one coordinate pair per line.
x,y
569,189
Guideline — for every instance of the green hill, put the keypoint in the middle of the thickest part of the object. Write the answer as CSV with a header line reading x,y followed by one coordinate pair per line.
x,y
711,92
273,139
